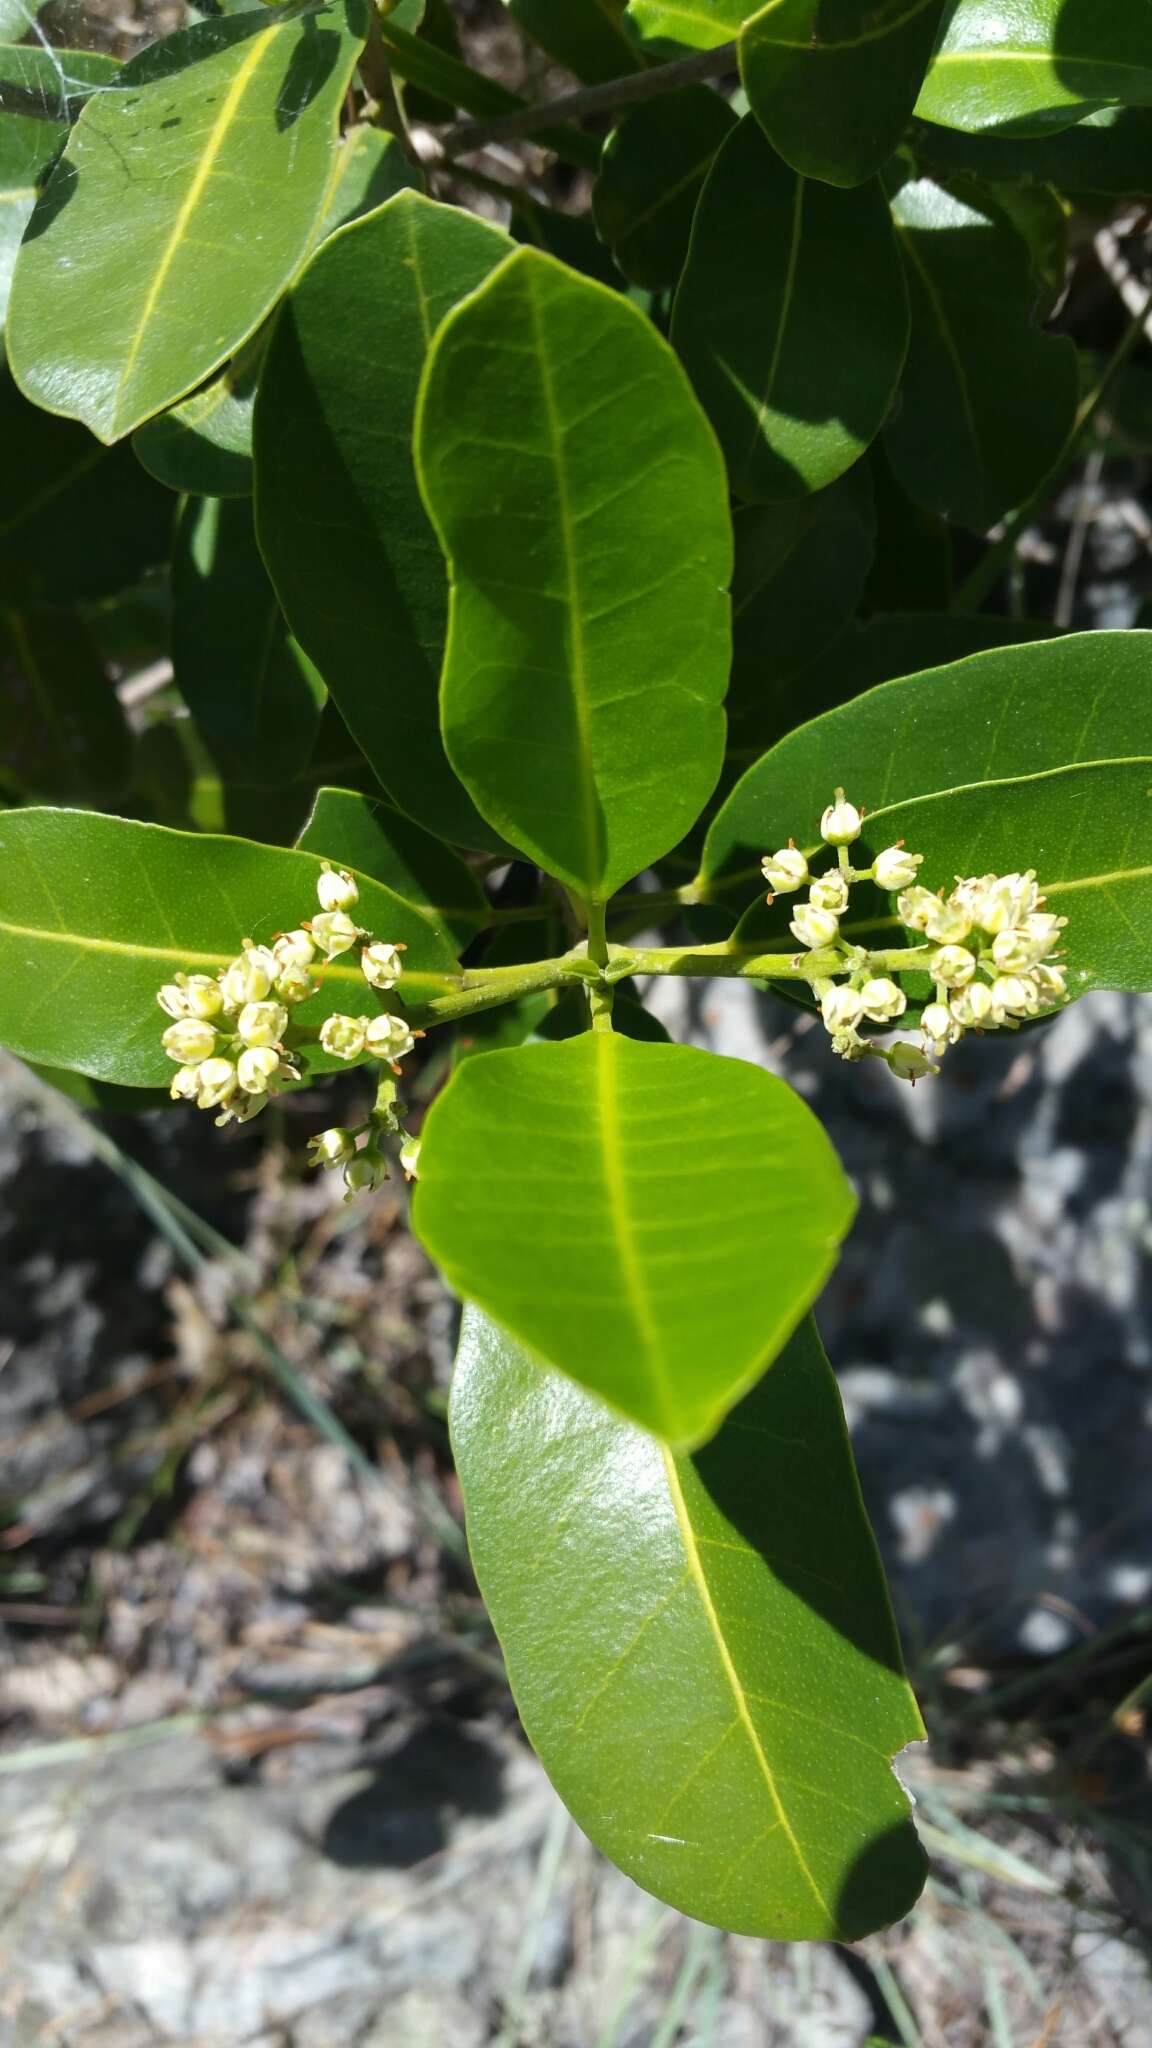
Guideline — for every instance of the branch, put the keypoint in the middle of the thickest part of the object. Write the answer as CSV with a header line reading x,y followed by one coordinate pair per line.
x,y
590,99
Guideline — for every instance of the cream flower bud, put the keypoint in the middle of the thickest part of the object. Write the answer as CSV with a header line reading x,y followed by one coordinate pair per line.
x,y
841,822
938,1027
1007,900
203,995
262,1023
785,870
257,1068
190,1041
410,1157
973,1006
883,1000
336,889
1019,947
814,927
910,1062
915,906
895,869
830,892
218,1083
332,1148
381,965
1014,995
953,965
1050,983
343,1037
388,1038
947,923
841,1008
334,932
363,1173
172,1000
249,977
294,984
185,1084
294,949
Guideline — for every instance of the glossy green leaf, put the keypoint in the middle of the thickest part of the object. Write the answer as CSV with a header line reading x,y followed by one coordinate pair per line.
x,y
369,168
689,24
1037,62
64,731
585,35
1036,756
96,912
834,82
580,499
77,521
254,695
359,832
651,1219
701,1648
800,569
341,524
569,236
912,564
651,177
796,356
1108,151
977,427
28,145
183,203
204,445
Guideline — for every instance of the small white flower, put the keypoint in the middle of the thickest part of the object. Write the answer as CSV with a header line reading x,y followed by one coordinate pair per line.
x,y
172,1000
910,1062
953,965
915,906
814,927
1019,947
294,984
218,1083
1050,983
1014,995
240,1109
938,1027
189,1041
366,1171
388,1038
185,1084
1007,900
343,1037
257,1068
294,949
191,995
895,869
830,892
334,932
336,889
841,1008
947,922
262,1023
973,1006
381,965
249,977
785,870
841,822
410,1157
848,1045
883,1000
332,1148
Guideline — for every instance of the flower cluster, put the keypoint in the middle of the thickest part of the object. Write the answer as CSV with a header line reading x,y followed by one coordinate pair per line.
x,y
229,1032
988,947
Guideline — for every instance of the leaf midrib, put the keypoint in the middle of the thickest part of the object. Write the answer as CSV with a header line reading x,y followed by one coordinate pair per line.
x,y
183,956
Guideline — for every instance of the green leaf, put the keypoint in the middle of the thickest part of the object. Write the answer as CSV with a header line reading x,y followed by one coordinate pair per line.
x,y
369,168
701,1648
76,521
800,569
204,445
588,641
64,731
339,516
586,36
651,177
1037,756
1038,62
96,912
1108,151
651,1219
254,695
141,272
823,309
28,145
834,81
358,832
689,24
912,566
976,428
